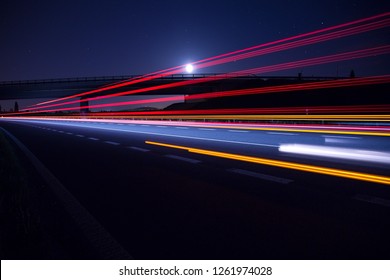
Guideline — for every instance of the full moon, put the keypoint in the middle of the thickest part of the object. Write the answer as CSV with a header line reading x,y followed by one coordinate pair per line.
x,y
189,68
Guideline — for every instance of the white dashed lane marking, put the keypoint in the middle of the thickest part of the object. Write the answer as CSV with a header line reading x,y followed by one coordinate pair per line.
x,y
282,133
111,143
342,137
184,137
373,200
191,160
260,176
238,130
138,149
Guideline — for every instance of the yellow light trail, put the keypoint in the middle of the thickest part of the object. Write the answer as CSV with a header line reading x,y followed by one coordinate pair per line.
x,y
278,163
285,129
362,118
360,132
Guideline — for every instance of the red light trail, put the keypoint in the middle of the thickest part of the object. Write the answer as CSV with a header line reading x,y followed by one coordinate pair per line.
x,y
300,43
283,66
264,90
258,111
238,55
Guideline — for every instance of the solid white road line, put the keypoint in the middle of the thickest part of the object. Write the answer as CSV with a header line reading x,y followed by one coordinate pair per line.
x,y
183,158
261,176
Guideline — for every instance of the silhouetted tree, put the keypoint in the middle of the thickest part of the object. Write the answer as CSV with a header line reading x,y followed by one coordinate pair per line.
x,y
352,74
16,107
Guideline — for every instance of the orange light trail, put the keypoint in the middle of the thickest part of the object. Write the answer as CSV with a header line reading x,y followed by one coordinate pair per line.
x,y
359,130
278,163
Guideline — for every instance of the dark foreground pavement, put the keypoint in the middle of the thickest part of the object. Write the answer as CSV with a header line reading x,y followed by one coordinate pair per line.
x,y
164,204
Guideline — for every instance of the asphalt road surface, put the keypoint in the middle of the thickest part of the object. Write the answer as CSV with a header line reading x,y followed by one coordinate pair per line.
x,y
175,198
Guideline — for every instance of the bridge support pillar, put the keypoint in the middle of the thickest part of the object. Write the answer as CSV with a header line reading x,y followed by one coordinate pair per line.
x,y
84,106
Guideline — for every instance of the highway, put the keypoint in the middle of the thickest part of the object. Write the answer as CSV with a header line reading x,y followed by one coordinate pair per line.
x,y
191,190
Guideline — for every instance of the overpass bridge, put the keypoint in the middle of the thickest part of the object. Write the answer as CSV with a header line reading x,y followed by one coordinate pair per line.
x,y
57,88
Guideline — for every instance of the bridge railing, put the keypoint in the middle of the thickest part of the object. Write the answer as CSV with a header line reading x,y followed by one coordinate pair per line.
x,y
68,80
169,77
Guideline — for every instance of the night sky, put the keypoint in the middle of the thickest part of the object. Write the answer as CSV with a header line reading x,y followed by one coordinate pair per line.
x,y
62,39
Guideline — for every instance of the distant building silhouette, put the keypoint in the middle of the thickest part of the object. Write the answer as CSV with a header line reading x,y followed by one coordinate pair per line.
x,y
352,74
